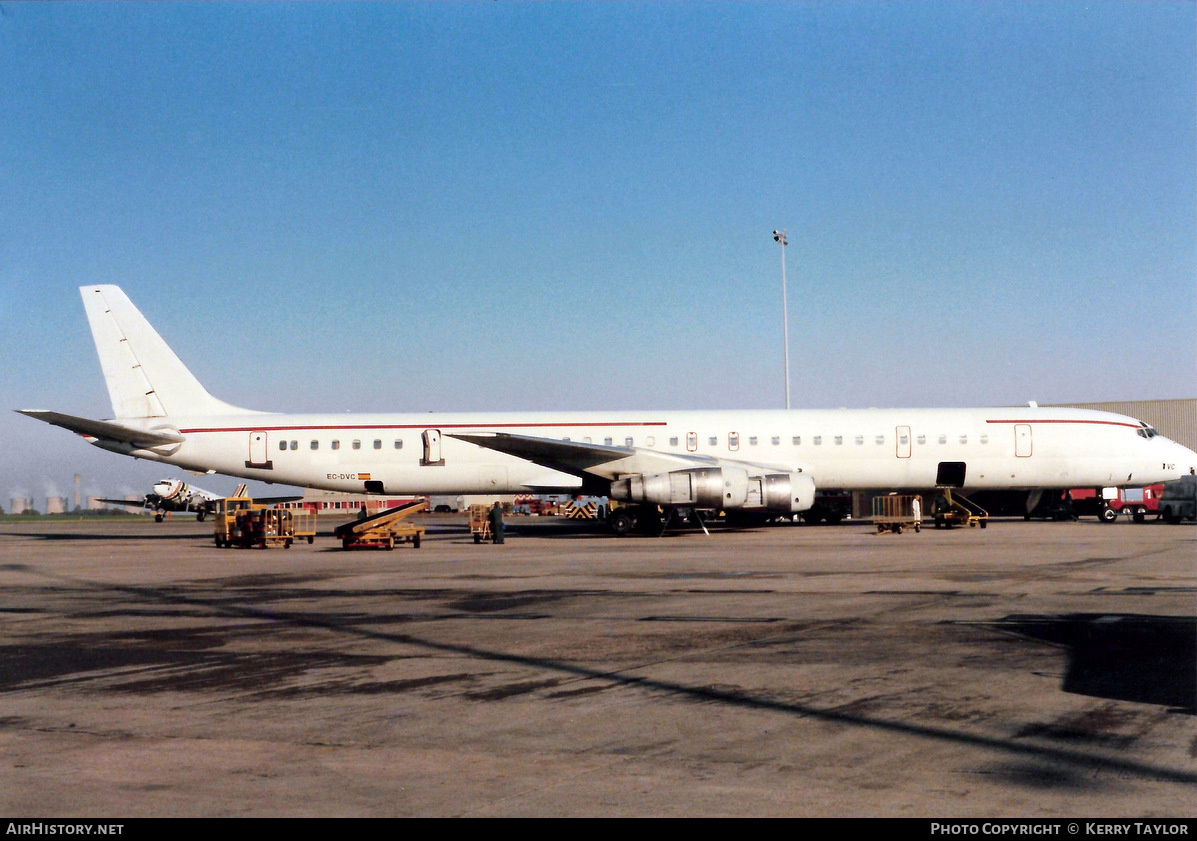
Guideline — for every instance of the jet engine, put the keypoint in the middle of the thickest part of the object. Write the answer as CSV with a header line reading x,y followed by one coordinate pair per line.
x,y
698,487
719,488
787,493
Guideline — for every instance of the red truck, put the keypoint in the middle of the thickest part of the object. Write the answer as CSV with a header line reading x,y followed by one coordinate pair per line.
x,y
1107,503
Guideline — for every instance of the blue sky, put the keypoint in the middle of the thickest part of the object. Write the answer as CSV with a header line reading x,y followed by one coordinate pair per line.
x,y
491,206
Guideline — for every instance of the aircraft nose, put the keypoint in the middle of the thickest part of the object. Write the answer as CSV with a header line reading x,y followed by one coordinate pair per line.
x,y
1185,460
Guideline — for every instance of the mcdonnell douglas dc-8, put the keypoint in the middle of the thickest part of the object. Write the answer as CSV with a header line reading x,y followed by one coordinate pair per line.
x,y
766,462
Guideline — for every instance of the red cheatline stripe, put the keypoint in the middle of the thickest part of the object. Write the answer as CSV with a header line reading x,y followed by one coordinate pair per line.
x,y
480,427
1098,422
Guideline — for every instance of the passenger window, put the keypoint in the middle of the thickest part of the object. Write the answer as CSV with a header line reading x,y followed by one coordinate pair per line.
x,y
752,440
943,439
818,440
797,440
881,439
336,445
839,439
859,439
282,445
627,442
776,440
295,445
922,439
398,443
963,439
984,439
650,441
607,441
673,440
315,445
377,444
713,441
357,445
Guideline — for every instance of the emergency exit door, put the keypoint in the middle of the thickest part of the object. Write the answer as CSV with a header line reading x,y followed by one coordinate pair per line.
x,y
902,441
1022,440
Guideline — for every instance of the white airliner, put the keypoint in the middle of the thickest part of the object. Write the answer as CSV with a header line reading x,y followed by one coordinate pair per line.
x,y
768,461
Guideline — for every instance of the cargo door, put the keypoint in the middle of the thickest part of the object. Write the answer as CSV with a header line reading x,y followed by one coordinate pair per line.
x,y
1022,440
257,452
432,447
902,441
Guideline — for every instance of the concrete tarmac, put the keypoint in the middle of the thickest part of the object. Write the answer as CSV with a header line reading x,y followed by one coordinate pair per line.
x,y
1024,670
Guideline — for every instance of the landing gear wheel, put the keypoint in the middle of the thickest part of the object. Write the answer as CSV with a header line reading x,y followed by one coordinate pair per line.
x,y
621,523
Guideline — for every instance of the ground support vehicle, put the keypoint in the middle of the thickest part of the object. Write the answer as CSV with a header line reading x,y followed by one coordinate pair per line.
x,y
1179,500
958,510
1104,503
830,507
241,523
384,529
895,512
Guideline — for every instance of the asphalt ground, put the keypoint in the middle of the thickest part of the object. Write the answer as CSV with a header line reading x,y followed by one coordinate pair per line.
x,y
1024,670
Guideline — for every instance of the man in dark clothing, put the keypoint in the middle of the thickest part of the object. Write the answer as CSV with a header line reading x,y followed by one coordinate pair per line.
x,y
496,523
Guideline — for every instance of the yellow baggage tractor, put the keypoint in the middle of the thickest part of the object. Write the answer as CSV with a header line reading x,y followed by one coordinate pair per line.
x,y
240,522
384,529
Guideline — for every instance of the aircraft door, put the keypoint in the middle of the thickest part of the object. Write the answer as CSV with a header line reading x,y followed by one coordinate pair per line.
x,y
1022,440
432,447
902,441
257,452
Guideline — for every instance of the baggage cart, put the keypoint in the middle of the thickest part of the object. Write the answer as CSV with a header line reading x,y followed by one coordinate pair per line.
x,y
895,512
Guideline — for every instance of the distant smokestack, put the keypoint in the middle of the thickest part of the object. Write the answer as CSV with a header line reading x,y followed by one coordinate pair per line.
x,y
78,488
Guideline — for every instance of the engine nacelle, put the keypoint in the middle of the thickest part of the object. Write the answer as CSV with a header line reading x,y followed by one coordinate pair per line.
x,y
699,487
787,493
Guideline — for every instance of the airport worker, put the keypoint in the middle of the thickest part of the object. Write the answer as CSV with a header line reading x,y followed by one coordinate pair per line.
x,y
916,510
496,522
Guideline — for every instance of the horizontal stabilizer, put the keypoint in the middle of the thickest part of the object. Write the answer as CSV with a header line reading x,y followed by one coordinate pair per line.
x,y
106,430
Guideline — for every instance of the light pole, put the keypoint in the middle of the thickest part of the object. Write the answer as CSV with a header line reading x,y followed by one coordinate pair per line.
x,y
780,238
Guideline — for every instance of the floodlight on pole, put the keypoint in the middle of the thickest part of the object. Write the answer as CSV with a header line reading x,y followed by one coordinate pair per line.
x,y
780,238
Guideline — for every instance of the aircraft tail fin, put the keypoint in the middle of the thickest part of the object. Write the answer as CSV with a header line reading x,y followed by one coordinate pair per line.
x,y
145,379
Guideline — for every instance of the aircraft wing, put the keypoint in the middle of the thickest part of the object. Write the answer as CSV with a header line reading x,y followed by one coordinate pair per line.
x,y
106,430
605,461
132,503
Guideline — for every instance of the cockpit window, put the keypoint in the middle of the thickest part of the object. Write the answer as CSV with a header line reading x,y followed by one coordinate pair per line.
x,y
1146,431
